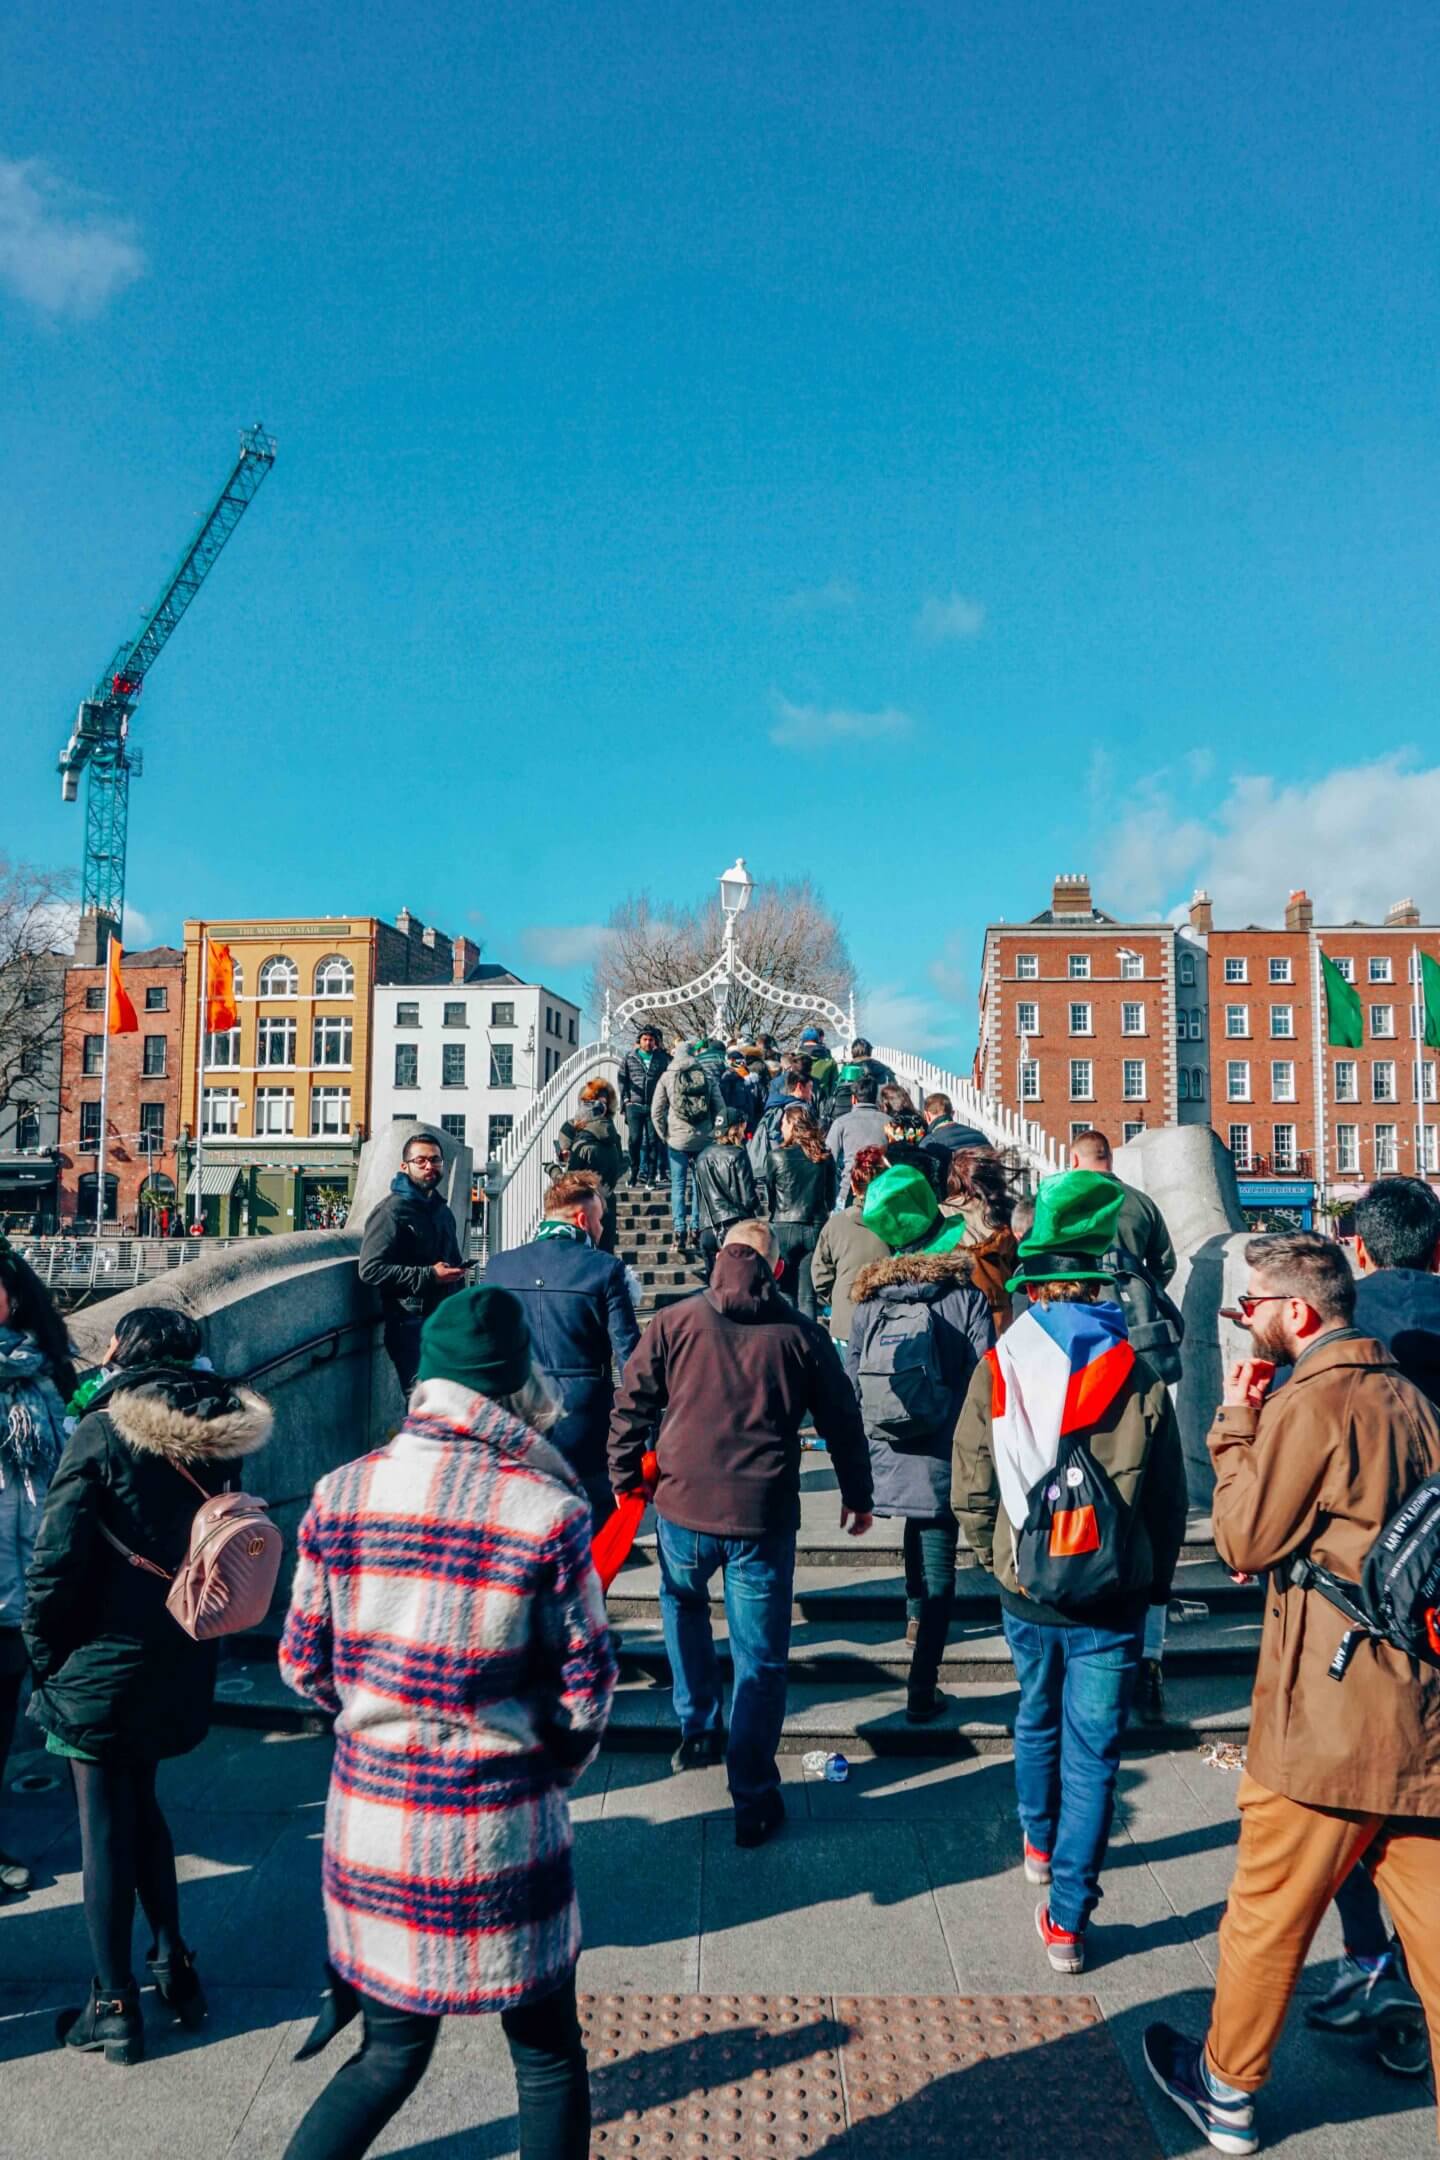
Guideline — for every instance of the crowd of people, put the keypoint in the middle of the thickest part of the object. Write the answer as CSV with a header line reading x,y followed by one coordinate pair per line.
x,y
977,1362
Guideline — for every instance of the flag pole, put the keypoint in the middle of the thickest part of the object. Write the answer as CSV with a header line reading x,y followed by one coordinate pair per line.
x,y
200,1015
104,1111
1322,1039
1417,1013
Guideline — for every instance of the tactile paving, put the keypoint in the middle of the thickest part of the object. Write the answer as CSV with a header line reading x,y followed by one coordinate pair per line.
x,y
685,2077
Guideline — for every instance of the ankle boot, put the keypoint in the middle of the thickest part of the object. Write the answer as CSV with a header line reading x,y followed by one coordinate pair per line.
x,y
338,2005
109,2022
178,1985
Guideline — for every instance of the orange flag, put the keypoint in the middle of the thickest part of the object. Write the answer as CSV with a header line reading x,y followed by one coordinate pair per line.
x,y
220,1013
119,1010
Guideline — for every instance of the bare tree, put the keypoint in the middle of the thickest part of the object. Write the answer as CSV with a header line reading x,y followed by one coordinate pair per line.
x,y
36,927
787,934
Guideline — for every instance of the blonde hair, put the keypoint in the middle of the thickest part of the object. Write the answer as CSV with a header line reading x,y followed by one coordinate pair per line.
x,y
536,1404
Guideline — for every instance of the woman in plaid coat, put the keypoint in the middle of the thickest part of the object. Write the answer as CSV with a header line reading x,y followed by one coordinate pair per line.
x,y
446,1610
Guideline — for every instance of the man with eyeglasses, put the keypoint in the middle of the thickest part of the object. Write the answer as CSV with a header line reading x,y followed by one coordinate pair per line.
x,y
1336,1773
410,1253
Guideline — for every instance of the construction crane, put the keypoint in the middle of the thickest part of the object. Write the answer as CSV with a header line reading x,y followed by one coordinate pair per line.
x,y
99,744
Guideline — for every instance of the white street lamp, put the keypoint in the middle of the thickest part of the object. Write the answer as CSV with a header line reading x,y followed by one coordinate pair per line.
x,y
736,886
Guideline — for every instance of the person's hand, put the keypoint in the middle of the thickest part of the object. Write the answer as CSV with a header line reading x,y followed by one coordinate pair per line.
x,y
856,1523
1247,1383
444,1273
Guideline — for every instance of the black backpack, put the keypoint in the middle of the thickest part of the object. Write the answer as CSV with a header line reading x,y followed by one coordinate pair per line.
x,y
690,1093
1153,1321
901,1387
1397,1599
1070,1552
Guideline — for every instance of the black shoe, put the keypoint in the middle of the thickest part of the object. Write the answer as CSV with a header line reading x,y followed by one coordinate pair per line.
x,y
697,1751
178,1985
15,1876
109,2022
338,2006
757,1828
925,1709
1150,1694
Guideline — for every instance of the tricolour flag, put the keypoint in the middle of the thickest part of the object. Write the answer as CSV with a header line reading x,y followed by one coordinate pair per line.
x,y
1344,1028
220,1013
119,1008
1056,1370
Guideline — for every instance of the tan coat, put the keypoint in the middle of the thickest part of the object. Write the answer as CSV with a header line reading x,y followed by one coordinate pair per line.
x,y
1319,1469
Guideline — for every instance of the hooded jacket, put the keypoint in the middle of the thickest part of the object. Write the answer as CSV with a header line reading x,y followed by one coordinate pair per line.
x,y
912,1475
115,1674
676,1131
727,1379
405,1235
901,1207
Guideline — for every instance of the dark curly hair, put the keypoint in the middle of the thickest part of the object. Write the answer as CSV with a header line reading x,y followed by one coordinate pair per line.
x,y
32,1313
979,1174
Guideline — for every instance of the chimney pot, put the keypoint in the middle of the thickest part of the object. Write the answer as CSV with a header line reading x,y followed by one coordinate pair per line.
x,y
1300,911
1070,894
1404,915
1202,912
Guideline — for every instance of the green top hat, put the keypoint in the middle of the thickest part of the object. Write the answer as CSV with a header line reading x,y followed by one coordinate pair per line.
x,y
1074,1227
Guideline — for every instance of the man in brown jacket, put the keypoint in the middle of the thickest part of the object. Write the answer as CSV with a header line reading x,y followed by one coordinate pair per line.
x,y
1336,1771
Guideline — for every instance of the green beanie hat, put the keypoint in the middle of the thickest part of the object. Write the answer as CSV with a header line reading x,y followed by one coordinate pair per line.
x,y
900,1205
1074,1227
479,1339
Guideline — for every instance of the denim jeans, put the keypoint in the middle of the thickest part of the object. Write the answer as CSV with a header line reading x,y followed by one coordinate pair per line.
x,y
1075,1690
759,1577
929,1595
647,1149
682,1171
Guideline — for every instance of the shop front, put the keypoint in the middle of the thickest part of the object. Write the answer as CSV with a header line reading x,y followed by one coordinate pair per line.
x,y
1278,1203
28,1191
246,1194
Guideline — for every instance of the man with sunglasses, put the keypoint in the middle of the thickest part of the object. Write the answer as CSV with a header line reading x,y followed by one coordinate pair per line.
x,y
1336,1773
410,1253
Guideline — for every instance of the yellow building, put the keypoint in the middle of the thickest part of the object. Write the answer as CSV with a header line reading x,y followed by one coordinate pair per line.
x,y
284,1097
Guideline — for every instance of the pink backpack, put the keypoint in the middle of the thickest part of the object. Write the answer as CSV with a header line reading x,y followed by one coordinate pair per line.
x,y
227,1579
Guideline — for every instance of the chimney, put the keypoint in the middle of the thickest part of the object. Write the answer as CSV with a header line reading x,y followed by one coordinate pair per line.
x,y
1070,894
464,955
404,922
92,939
427,936
1202,912
1405,915
1300,911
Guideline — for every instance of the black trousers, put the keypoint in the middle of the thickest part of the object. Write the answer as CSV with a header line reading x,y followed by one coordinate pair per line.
x,y
929,1595
647,1149
796,1242
125,1849
551,2081
402,1347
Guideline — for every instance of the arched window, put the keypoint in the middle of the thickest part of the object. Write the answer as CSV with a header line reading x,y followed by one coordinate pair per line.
x,y
279,977
334,977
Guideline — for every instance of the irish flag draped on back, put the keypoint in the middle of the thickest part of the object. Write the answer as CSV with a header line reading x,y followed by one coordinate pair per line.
x,y
1057,1370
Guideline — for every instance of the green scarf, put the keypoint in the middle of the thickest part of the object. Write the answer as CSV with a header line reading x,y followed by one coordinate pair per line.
x,y
549,1229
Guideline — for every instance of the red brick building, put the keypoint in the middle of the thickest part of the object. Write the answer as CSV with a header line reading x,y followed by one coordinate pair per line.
x,y
143,1105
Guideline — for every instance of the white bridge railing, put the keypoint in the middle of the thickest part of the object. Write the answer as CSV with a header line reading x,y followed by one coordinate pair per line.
x,y
1034,1148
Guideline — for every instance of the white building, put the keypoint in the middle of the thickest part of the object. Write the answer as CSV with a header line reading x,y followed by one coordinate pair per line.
x,y
467,1057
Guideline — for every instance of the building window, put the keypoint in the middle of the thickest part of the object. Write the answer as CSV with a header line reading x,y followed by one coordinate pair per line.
x,y
1382,1020
220,1111
1132,1019
274,1110
89,1125
1282,1021
1426,1083
452,1124
1283,1147
407,1015
152,1128
572,1028
334,977
1082,1080
1133,1079
95,997
1077,1126
1132,1129
1347,1149
1381,969
1027,1019
93,1057
157,998
27,1126
1030,1080
223,1049
1347,1080
1280,971
32,1059
1237,1080
1282,1080
332,1039
1182,1084
1132,967
1386,1159
1382,1080
454,1014
1080,1020
330,1110
1077,966
152,1057
407,1065
502,1065
1237,1020
1344,966
1197,1083
499,1132
1236,970
502,1015
1187,971
275,1039
1426,1149
279,977
452,1065
1240,1146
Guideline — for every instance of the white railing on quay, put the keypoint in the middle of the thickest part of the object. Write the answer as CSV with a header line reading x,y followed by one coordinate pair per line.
x,y
1032,1147
516,1179
113,1263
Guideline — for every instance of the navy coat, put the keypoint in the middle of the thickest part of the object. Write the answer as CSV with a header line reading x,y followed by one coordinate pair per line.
x,y
913,1477
578,1305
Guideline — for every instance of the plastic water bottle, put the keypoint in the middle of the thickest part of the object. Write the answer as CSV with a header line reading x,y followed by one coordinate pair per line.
x,y
837,1769
1183,1610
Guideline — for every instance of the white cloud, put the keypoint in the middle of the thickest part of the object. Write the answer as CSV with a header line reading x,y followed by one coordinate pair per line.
x,y
138,931
910,1020
58,250
566,945
815,727
831,598
950,973
1357,839
942,622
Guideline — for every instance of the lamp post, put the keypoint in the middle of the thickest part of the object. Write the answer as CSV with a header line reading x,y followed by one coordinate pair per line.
x,y
736,886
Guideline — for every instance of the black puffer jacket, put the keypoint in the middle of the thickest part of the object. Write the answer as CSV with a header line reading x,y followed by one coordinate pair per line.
x,y
115,1675
912,1476
799,1190
725,1184
638,1081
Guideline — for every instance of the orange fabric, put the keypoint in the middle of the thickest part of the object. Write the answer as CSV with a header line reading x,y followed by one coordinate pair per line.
x,y
1073,1531
997,1385
1095,1387
611,1545
119,1008
220,1012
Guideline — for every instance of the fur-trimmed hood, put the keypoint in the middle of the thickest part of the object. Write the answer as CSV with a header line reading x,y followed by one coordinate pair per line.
x,y
927,1274
189,1417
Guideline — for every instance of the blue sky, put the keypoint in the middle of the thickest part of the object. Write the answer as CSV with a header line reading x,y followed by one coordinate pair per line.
x,y
922,447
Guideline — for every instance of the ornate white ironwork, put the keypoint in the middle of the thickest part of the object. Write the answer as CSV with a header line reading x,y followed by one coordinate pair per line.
x,y
716,983
516,1178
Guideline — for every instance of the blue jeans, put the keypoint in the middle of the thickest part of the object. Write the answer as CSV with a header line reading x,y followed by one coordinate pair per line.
x,y
1075,1689
682,1167
759,1579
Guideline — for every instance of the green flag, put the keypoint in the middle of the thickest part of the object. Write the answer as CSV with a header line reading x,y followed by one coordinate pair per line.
x,y
1344,1029
1430,986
